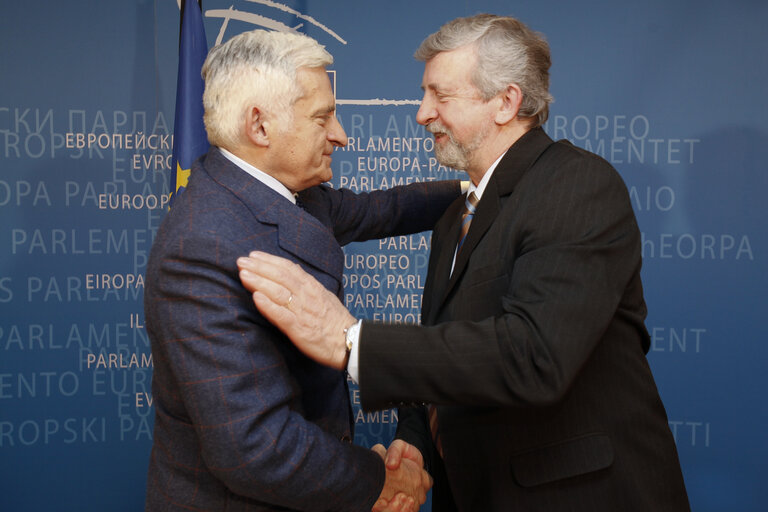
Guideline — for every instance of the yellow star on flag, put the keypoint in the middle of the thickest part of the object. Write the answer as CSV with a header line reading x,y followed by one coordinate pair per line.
x,y
182,176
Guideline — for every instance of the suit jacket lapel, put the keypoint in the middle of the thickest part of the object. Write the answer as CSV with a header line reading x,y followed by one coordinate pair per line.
x,y
444,239
299,233
302,235
519,158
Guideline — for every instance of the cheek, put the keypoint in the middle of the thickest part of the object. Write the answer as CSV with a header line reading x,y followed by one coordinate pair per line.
x,y
467,129
455,122
318,145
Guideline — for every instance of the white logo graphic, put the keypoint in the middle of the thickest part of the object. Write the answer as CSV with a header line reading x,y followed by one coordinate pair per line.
x,y
266,22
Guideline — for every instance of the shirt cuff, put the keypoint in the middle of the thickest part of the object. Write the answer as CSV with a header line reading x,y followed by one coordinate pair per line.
x,y
353,368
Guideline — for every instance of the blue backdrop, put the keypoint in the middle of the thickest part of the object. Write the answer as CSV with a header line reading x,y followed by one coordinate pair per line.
x,y
672,93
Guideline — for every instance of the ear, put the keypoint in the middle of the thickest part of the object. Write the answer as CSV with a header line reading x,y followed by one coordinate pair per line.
x,y
511,99
254,127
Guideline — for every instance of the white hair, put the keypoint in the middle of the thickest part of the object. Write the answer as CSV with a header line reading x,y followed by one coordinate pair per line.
x,y
255,68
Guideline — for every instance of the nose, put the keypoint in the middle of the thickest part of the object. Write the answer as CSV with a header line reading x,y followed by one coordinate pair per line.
x,y
427,112
336,134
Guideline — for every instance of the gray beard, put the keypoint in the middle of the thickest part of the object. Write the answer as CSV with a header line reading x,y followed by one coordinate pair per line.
x,y
452,154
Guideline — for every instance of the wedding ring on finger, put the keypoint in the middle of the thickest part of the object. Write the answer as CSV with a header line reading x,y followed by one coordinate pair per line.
x,y
288,304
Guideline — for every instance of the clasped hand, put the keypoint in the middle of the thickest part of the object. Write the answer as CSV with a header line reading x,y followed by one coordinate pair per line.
x,y
407,483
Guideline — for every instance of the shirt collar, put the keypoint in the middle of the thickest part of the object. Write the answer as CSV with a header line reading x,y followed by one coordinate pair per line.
x,y
260,175
480,188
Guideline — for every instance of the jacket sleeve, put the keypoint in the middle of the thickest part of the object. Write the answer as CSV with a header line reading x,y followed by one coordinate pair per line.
x,y
223,372
401,210
524,318
413,428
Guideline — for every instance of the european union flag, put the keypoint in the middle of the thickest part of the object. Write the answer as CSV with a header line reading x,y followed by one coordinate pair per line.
x,y
189,137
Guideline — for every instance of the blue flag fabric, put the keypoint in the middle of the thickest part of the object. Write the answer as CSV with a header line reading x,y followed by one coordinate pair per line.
x,y
189,137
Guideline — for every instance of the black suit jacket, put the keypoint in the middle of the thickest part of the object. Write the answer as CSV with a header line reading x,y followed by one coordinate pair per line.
x,y
534,348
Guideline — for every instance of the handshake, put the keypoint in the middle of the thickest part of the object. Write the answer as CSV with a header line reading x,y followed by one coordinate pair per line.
x,y
406,484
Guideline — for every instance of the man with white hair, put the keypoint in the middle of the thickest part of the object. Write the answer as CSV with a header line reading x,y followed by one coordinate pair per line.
x,y
243,420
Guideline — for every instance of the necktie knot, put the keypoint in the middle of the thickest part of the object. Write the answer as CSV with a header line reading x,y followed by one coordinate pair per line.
x,y
470,204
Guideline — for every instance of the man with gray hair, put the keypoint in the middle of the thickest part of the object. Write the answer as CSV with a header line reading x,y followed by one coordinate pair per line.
x,y
532,354
243,420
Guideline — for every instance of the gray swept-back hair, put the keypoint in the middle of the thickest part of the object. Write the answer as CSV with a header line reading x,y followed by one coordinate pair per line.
x,y
507,52
255,68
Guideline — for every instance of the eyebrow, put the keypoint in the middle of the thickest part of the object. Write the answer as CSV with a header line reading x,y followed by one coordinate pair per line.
x,y
449,92
439,89
322,112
